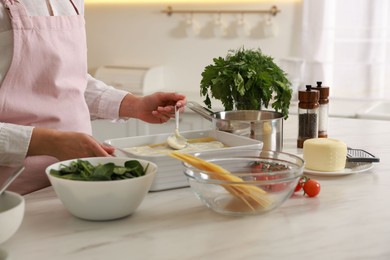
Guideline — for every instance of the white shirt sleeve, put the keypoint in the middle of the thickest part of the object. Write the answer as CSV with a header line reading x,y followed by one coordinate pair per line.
x,y
103,101
14,142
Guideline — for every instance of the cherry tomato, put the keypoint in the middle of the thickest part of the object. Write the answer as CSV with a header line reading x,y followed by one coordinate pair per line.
x,y
311,187
298,187
257,167
300,184
262,171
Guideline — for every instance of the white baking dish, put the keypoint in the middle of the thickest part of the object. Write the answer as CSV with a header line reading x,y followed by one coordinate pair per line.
x,y
170,171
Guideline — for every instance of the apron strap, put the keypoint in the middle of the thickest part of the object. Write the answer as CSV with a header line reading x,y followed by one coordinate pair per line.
x,y
75,7
9,3
51,12
17,13
49,7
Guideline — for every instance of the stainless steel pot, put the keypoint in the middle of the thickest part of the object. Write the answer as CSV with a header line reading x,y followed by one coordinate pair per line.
x,y
266,126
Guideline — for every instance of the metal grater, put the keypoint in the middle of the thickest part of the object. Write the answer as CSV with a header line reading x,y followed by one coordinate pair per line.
x,y
359,155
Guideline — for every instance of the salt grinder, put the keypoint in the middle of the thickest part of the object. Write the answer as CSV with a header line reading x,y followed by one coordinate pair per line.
x,y
308,111
323,110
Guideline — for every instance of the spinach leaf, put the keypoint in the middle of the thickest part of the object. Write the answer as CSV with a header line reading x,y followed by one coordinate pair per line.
x,y
85,171
103,172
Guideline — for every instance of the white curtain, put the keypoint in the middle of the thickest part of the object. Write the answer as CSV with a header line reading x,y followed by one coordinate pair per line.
x,y
346,46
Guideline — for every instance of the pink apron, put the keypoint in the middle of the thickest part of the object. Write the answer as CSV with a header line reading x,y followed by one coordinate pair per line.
x,y
45,84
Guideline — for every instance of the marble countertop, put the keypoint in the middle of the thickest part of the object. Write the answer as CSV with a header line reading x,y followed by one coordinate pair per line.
x,y
348,220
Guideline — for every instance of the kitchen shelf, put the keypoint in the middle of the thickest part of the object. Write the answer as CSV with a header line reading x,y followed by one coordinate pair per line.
x,y
272,11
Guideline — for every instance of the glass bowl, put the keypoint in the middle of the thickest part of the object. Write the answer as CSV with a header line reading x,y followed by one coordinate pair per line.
x,y
259,181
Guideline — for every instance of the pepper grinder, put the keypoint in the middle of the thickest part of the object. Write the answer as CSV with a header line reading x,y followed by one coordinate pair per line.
x,y
323,110
308,109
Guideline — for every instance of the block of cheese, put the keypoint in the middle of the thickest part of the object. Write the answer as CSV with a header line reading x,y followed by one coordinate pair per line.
x,y
324,154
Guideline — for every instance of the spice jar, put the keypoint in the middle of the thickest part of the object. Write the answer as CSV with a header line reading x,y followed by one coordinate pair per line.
x,y
323,110
308,109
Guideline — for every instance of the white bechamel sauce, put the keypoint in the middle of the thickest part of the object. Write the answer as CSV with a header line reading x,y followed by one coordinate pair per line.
x,y
165,149
177,141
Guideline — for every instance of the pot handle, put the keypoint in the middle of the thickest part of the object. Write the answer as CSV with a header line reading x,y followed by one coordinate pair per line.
x,y
197,108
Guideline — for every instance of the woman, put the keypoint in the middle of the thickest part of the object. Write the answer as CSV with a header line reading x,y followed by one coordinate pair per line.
x,y
46,95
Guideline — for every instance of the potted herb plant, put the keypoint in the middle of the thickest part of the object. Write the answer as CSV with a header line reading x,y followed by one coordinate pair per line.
x,y
246,79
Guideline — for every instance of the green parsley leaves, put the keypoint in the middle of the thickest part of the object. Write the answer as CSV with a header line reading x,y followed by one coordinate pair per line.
x,y
246,80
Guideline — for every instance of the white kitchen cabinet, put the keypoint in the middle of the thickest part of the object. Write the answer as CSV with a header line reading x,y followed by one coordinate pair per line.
x,y
104,129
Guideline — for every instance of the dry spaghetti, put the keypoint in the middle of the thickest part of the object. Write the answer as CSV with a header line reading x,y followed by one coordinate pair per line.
x,y
251,195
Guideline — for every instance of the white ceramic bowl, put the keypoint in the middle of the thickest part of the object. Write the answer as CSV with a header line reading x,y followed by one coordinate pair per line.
x,y
11,214
102,200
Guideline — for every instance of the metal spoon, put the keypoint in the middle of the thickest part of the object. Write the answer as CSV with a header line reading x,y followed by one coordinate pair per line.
x,y
177,141
11,178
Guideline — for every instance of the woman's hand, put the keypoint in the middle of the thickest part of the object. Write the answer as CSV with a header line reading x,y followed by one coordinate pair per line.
x,y
66,145
156,108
